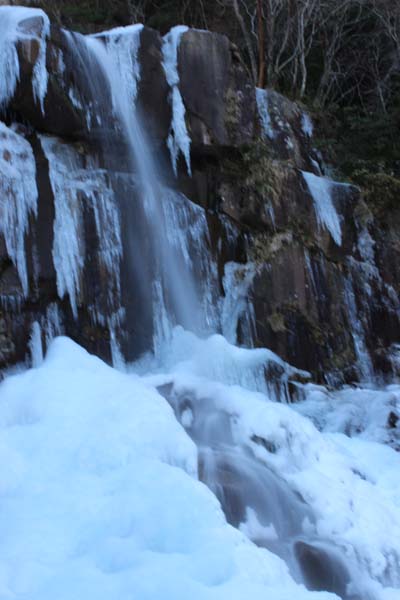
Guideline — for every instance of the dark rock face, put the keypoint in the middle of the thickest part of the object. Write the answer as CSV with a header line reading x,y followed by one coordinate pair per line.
x,y
320,304
218,97
153,87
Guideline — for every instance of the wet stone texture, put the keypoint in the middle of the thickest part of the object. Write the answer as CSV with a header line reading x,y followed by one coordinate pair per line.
x,y
316,302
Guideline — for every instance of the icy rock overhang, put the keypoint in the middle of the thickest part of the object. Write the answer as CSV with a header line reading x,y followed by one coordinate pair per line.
x,y
23,37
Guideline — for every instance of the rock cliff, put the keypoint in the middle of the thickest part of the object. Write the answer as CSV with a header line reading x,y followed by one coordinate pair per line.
x,y
315,268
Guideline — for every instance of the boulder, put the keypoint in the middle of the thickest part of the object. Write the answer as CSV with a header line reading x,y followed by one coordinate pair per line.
x,y
216,90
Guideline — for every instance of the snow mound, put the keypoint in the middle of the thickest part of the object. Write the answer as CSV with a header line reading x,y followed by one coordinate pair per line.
x,y
100,497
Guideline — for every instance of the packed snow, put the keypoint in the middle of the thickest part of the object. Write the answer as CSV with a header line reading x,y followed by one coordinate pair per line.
x,y
101,496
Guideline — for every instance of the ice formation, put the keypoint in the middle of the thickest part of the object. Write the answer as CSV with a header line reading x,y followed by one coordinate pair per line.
x,y
181,475
18,196
236,307
307,125
101,496
321,191
75,185
123,45
178,139
15,26
263,111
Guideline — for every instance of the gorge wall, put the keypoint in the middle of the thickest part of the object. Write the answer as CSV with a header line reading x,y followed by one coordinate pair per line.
x,y
283,256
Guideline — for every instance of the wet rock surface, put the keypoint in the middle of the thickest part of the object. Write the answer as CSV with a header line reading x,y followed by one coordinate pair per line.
x,y
317,303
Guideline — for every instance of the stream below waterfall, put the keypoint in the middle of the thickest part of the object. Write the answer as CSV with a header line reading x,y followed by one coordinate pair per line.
x,y
260,503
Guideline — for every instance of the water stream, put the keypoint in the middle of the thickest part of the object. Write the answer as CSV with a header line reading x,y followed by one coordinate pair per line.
x,y
260,503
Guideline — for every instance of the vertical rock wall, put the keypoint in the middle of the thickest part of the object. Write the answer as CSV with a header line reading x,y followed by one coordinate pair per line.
x,y
320,267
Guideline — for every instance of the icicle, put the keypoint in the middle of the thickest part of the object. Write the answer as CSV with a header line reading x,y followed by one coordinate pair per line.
x,y
73,186
236,307
178,139
35,345
52,323
114,324
68,246
18,196
12,31
364,363
307,125
108,228
187,233
321,191
123,45
263,112
162,324
40,75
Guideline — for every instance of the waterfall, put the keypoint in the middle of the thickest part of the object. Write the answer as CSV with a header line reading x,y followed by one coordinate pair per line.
x,y
173,223
119,466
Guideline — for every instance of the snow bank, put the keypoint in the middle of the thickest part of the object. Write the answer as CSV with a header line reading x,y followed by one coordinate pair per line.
x,y
350,483
100,498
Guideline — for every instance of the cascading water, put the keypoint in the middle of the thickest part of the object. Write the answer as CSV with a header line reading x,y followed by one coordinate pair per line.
x,y
175,229
257,501
253,497
267,465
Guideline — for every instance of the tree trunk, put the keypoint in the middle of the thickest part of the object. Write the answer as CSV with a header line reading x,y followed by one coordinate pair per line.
x,y
261,45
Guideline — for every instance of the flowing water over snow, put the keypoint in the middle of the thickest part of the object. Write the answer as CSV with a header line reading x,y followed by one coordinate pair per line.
x,y
103,495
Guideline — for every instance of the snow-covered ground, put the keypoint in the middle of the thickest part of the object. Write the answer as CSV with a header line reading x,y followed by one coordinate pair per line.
x,y
99,489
